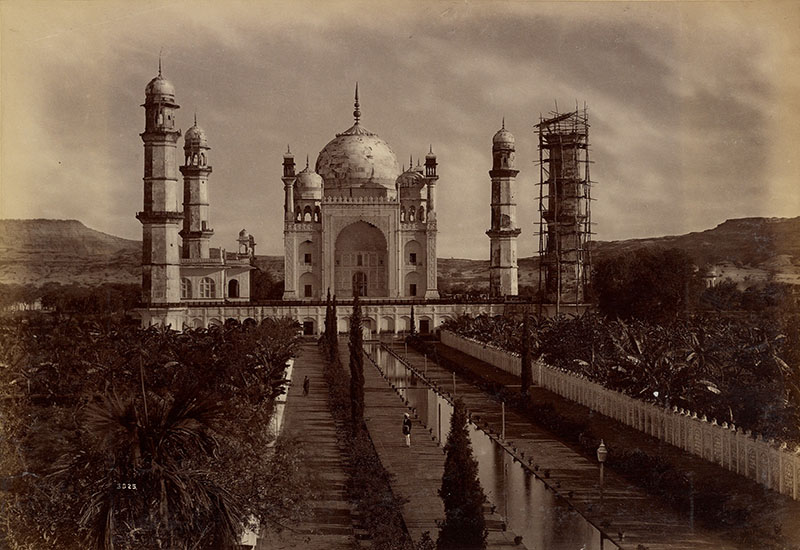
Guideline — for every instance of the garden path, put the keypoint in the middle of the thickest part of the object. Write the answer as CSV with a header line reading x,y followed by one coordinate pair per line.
x,y
308,418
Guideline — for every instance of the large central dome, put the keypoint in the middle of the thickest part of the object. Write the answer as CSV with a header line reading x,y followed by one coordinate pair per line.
x,y
357,161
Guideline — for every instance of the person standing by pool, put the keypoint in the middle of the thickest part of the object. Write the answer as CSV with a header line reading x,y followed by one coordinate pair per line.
x,y
407,429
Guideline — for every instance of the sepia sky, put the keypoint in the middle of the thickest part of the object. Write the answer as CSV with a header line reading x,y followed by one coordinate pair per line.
x,y
694,107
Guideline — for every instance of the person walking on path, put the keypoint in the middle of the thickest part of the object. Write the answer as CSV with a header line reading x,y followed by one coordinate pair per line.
x,y
306,384
407,429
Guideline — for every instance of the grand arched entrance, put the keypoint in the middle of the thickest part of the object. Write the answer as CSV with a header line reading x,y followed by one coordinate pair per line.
x,y
361,261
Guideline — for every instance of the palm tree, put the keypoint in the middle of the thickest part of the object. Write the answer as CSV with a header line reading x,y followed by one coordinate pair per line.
x,y
156,489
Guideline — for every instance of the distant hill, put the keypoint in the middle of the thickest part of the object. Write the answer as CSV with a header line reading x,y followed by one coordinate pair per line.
x,y
40,251
744,250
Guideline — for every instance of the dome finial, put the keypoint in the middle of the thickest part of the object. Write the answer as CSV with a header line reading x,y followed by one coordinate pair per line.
x,y
504,123
306,161
159,61
357,112
195,118
288,149
410,162
430,149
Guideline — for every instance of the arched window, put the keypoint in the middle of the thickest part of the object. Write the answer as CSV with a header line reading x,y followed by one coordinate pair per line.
x,y
202,159
298,215
402,213
421,216
188,160
307,216
233,288
194,159
186,289
317,214
207,289
411,214
160,119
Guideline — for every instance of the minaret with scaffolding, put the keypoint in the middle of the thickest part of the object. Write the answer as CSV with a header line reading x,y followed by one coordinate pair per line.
x,y
565,223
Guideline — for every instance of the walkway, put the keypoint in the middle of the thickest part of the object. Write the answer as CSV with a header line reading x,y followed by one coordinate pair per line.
x,y
329,526
417,470
629,515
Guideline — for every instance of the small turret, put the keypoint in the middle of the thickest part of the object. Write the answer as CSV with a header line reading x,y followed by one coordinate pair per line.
x,y
288,163
430,163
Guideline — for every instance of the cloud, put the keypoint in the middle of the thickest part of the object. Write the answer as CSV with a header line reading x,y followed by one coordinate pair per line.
x,y
693,107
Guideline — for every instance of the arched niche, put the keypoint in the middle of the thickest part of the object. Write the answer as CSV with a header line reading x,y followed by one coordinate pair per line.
x,y
361,257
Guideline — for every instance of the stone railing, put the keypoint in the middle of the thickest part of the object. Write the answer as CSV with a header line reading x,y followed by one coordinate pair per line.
x,y
359,200
769,463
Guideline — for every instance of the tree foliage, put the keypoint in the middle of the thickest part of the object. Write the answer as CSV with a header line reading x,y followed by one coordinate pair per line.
x,y
648,284
464,527
72,298
117,437
263,286
331,335
356,367
742,369
525,358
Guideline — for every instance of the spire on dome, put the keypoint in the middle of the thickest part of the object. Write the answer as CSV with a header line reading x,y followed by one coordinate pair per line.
x,y
306,161
357,111
504,123
195,118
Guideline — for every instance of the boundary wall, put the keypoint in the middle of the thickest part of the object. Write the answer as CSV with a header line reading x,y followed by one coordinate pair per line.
x,y
768,462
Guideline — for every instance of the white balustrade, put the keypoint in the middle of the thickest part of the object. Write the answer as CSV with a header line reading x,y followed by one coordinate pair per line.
x,y
770,463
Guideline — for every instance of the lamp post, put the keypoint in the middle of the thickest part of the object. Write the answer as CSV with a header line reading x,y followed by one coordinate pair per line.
x,y
602,453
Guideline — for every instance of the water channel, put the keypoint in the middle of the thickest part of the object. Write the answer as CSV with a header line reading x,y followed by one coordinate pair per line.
x,y
528,506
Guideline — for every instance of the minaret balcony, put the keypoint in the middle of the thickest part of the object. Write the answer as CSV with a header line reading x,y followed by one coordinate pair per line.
x,y
160,134
195,170
205,233
511,232
160,216
503,173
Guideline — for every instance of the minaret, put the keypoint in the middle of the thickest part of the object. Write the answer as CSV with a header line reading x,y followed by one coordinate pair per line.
x,y
431,177
504,231
196,232
161,216
288,184
289,246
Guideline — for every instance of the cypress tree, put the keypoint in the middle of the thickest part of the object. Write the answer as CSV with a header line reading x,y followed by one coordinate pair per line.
x,y
356,367
464,526
333,336
326,336
525,358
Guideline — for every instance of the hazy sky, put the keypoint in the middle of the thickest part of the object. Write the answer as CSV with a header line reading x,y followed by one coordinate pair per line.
x,y
694,107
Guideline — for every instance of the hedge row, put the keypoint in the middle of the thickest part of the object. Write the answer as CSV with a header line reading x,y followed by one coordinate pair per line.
x,y
368,485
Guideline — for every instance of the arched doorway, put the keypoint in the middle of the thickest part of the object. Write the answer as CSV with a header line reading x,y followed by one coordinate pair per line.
x,y
359,283
233,288
361,248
